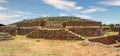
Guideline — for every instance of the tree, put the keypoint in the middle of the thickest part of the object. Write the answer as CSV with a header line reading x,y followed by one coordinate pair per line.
x,y
111,25
104,25
117,25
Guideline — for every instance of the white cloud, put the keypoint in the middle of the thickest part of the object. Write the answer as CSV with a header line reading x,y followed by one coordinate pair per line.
x,y
22,12
12,16
110,21
78,8
2,8
91,10
44,15
6,16
63,4
9,21
82,16
111,2
3,1
62,14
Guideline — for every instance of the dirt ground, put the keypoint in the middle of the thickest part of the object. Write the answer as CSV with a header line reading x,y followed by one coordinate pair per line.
x,y
22,46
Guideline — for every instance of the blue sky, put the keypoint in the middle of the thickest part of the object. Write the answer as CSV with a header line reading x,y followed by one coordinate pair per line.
x,y
107,11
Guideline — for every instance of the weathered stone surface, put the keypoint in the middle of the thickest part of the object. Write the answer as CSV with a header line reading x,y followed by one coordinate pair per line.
x,y
10,30
81,23
84,28
24,31
115,29
52,34
5,36
34,23
106,40
87,31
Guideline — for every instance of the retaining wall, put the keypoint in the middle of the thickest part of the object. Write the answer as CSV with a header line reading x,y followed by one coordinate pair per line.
x,y
24,31
87,31
115,29
34,23
81,23
52,34
107,40
10,30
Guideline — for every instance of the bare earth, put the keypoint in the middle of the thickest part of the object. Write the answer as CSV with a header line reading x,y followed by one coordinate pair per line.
x,y
22,46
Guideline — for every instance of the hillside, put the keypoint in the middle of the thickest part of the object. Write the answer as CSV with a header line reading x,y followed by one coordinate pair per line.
x,y
55,20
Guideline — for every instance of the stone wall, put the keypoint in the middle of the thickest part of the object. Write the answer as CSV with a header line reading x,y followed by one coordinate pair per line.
x,y
34,23
24,31
52,34
87,31
106,28
115,29
81,23
10,30
16,30
107,40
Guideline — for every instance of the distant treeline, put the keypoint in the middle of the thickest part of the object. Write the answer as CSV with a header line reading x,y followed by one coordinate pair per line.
x,y
111,25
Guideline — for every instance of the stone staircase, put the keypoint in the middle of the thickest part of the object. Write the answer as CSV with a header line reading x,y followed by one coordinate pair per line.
x,y
5,37
75,34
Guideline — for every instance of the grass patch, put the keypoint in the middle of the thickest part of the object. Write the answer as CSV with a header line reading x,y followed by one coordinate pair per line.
x,y
22,46
110,33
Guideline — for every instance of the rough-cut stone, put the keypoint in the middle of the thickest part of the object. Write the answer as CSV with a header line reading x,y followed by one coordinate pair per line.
x,y
81,23
84,28
52,34
24,31
34,23
86,31
5,36
107,40
115,29
10,30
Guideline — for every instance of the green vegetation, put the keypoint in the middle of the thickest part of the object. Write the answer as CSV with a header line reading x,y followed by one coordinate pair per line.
x,y
104,25
111,25
56,20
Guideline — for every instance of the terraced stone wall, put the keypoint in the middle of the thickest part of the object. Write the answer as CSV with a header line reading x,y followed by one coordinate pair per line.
x,y
115,29
34,23
10,30
52,34
84,28
107,40
81,23
87,31
24,31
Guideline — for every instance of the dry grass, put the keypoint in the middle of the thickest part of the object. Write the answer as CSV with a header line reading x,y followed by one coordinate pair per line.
x,y
110,33
22,46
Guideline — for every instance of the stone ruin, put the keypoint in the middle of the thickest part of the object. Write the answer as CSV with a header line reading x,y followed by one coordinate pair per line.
x,y
84,28
5,36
